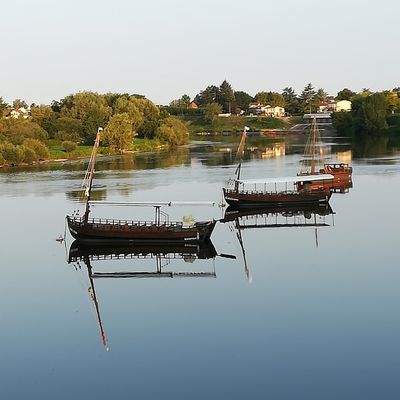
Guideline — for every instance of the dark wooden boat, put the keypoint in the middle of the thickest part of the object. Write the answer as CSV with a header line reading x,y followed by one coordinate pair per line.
x,y
117,231
266,192
341,172
273,191
108,231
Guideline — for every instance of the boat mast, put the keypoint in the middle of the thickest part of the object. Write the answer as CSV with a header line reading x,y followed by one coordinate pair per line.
x,y
88,180
311,149
240,152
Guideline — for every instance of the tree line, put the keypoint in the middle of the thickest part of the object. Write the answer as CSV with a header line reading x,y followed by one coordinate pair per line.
x,y
372,114
224,99
75,119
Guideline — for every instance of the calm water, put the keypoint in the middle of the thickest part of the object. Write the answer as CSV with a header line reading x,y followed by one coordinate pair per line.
x,y
310,313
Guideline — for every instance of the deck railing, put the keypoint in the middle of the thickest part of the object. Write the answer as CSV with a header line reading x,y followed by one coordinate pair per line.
x,y
123,222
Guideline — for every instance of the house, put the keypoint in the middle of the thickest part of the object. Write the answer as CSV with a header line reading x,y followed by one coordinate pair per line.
x,y
334,106
266,110
21,112
343,105
192,105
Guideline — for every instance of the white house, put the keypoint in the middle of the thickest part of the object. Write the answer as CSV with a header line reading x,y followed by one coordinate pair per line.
x,y
334,106
21,112
268,111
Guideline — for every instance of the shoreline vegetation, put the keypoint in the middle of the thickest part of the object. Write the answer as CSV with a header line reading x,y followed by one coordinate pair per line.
x,y
65,129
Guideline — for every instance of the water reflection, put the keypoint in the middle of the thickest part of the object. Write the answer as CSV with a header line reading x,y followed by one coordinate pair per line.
x,y
376,147
144,261
275,217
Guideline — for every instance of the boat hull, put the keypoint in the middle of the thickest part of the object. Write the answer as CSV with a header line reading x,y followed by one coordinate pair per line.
x,y
129,232
250,199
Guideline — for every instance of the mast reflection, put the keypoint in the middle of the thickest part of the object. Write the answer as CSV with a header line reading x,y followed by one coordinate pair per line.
x,y
162,256
275,217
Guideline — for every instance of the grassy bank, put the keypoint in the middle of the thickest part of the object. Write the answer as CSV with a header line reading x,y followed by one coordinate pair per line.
x,y
57,151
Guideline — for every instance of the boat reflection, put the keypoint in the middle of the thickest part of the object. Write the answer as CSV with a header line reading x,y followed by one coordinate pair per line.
x,y
278,217
161,256
275,217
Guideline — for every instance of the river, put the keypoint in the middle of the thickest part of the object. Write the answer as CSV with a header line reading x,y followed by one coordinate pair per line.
x,y
300,312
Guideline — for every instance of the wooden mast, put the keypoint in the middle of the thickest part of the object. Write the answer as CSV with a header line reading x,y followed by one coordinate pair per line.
x,y
89,175
239,155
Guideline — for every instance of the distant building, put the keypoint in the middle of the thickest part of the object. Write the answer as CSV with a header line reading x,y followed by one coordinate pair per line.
x,y
343,105
21,112
334,106
192,105
266,110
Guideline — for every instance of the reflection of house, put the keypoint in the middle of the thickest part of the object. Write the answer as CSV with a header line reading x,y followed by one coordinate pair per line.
x,y
277,150
20,112
334,106
344,156
192,105
267,111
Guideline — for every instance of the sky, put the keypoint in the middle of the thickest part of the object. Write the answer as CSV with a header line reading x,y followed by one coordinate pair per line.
x,y
164,49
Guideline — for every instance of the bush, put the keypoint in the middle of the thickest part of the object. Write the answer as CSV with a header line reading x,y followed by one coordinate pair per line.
x,y
29,155
67,136
69,146
13,155
38,147
172,131
1,159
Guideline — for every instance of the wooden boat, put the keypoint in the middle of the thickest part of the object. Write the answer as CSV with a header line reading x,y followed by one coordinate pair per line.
x,y
112,231
342,172
274,191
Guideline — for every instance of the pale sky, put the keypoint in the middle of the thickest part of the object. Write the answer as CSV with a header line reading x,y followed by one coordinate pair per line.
x,y
164,49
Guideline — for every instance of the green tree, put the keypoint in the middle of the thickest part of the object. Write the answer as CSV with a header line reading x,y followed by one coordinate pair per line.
x,y
369,114
321,96
345,94
211,111
343,123
292,105
29,155
173,131
118,133
393,100
270,98
207,96
3,107
69,146
130,107
226,96
46,118
12,154
148,109
242,100
40,149
91,109
308,99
